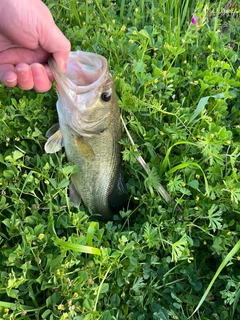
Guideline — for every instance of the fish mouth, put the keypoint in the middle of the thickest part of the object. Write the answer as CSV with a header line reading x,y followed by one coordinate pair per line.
x,y
85,71
79,92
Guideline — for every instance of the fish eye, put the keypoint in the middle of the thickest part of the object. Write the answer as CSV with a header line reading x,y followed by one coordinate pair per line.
x,y
106,96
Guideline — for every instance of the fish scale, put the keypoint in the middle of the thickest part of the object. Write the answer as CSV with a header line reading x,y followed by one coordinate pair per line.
x,y
90,130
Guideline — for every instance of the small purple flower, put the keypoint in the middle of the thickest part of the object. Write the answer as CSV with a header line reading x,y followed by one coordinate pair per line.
x,y
194,20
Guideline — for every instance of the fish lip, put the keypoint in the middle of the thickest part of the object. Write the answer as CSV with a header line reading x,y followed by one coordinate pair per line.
x,y
76,102
94,59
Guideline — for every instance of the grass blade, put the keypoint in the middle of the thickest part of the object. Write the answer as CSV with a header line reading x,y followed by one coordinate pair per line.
x,y
90,232
222,265
166,158
203,101
67,245
14,306
187,164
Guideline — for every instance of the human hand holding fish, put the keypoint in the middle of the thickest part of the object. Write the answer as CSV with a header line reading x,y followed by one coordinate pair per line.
x,y
28,37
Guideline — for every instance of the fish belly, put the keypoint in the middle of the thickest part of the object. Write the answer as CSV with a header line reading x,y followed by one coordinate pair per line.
x,y
99,162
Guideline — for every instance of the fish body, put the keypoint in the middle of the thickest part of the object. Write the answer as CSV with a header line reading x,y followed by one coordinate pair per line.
x,y
90,130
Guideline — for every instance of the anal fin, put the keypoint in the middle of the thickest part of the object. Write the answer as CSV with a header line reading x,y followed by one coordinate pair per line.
x,y
74,196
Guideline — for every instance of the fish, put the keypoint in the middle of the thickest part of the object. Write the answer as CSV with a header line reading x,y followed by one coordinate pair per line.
x,y
89,129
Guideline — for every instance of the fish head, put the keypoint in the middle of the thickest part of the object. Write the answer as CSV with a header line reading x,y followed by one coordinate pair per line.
x,y
87,101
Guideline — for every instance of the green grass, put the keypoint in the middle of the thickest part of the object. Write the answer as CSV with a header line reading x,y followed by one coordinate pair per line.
x,y
178,87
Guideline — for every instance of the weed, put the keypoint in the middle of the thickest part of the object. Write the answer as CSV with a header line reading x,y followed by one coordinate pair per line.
x,y
178,84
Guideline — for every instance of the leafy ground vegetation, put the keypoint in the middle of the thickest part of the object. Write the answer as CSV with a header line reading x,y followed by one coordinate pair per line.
x,y
178,84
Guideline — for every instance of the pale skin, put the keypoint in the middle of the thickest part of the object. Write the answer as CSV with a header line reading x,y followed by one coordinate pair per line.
x,y
28,37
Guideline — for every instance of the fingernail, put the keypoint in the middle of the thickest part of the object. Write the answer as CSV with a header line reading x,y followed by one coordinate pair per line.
x,y
62,66
11,80
21,69
24,72
39,71
65,67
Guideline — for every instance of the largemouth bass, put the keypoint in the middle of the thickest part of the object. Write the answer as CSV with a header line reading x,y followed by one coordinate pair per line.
x,y
90,130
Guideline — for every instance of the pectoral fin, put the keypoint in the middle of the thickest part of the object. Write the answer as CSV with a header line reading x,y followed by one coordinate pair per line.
x,y
54,143
53,129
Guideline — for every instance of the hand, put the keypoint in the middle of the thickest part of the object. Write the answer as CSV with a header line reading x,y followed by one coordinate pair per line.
x,y
28,37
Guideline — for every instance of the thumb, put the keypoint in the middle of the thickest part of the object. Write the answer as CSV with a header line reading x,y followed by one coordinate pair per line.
x,y
57,44
61,59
